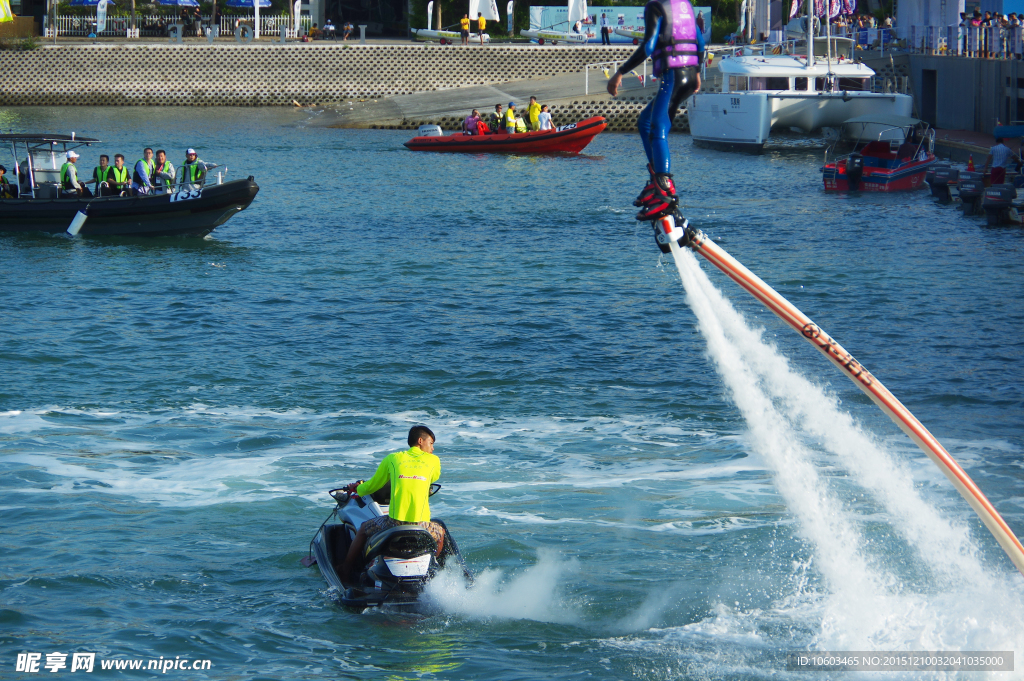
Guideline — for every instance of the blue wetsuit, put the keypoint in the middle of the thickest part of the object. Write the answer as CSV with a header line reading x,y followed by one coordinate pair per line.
x,y
676,86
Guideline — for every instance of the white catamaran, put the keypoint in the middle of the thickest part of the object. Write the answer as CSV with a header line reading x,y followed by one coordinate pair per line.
x,y
778,89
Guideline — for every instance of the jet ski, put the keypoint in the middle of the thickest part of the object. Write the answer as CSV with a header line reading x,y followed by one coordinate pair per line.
x,y
397,563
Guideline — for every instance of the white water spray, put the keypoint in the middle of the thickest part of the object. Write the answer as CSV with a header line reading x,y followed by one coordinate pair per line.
x,y
867,606
532,594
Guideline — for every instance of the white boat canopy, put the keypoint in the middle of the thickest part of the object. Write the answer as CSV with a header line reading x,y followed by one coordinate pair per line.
x,y
892,120
778,66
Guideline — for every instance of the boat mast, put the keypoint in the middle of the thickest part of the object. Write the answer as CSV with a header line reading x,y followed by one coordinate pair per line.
x,y
809,34
828,42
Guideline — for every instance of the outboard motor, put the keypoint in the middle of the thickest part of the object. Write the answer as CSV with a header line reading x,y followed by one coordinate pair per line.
x,y
929,175
997,203
943,176
971,186
854,170
430,131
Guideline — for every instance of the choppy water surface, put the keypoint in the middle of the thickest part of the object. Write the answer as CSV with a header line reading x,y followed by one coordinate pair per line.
x,y
646,489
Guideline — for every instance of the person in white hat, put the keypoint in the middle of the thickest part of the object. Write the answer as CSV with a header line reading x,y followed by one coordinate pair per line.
x,y
69,184
193,171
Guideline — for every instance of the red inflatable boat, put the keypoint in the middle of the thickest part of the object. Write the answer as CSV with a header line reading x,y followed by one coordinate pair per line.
x,y
570,138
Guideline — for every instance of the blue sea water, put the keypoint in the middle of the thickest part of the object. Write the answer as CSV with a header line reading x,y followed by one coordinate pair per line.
x,y
173,411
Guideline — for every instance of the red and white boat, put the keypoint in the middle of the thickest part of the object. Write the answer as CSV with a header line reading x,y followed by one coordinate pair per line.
x,y
570,138
896,161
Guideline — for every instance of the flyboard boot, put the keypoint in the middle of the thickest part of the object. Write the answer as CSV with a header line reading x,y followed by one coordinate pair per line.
x,y
648,189
672,227
662,201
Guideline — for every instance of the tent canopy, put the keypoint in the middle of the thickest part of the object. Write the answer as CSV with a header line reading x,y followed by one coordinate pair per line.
x,y
246,3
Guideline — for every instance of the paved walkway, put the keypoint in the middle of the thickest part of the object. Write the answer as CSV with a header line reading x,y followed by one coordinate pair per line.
x,y
461,100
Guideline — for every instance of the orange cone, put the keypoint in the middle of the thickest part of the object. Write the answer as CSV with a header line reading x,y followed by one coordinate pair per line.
x,y
970,163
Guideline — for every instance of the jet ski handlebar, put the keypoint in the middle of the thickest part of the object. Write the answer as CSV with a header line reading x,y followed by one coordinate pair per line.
x,y
343,494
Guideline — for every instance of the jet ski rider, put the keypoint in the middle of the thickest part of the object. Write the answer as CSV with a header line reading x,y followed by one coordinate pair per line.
x,y
676,46
410,474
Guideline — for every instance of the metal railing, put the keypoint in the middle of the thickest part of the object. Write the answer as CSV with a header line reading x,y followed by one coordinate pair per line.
x,y
983,42
156,25
614,67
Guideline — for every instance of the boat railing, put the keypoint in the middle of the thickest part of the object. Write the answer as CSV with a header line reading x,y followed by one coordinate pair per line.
x,y
156,25
894,145
899,85
222,172
786,47
614,66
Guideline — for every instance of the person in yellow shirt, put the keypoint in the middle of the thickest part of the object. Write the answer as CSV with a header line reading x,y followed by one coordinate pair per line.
x,y
532,112
510,118
410,474
464,23
482,25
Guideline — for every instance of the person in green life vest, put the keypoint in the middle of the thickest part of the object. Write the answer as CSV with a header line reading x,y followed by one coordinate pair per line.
x,y
69,184
101,174
193,171
163,173
120,181
7,190
410,474
142,177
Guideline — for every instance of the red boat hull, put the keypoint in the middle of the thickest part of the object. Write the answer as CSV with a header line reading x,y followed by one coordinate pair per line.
x,y
570,138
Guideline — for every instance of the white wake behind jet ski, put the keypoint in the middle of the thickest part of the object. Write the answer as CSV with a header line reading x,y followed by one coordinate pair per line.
x,y
397,563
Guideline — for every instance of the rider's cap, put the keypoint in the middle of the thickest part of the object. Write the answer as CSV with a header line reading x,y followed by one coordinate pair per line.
x,y
190,150
3,169
511,103
72,154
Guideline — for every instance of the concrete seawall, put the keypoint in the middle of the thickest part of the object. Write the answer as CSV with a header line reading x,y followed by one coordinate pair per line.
x,y
267,74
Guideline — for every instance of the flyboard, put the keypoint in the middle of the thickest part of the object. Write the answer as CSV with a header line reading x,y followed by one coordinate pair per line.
x,y
673,237
577,12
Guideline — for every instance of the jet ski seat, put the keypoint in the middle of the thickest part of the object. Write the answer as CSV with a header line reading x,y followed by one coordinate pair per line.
x,y
404,541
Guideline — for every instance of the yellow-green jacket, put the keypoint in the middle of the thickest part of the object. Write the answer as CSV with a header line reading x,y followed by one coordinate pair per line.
x,y
410,473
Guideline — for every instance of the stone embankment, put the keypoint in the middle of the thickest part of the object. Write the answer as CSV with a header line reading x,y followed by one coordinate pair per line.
x,y
269,74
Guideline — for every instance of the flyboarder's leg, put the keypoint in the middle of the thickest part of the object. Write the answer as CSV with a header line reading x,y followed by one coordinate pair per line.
x,y
645,124
661,197
677,85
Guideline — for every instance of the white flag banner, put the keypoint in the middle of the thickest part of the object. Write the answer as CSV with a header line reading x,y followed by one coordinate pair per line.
x,y
509,11
101,15
430,13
